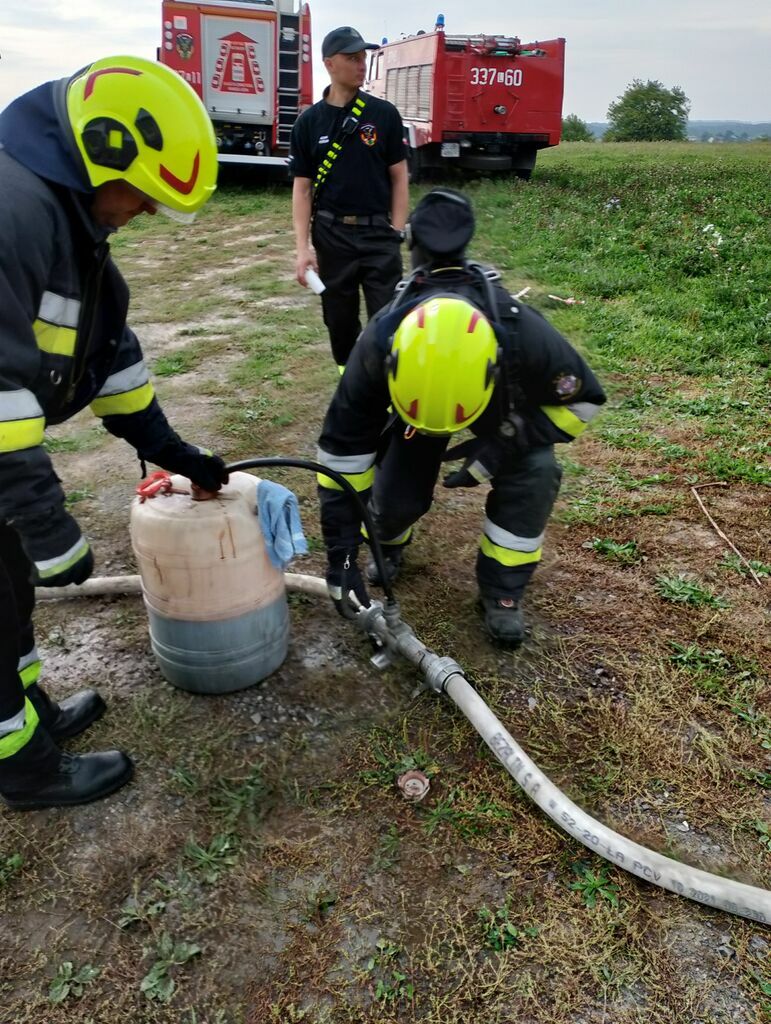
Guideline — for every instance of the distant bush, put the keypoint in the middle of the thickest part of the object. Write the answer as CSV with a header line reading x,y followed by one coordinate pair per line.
x,y
647,112
575,130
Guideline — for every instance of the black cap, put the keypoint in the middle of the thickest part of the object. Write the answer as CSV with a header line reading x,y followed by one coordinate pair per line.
x,y
442,223
344,40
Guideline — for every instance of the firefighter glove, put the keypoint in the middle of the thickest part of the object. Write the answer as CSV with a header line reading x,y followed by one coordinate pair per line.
x,y
488,456
480,467
344,576
58,552
205,470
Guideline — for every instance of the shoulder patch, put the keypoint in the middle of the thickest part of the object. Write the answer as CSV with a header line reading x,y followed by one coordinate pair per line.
x,y
368,134
566,385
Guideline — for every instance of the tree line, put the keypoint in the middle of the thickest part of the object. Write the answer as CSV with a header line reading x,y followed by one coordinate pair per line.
x,y
646,112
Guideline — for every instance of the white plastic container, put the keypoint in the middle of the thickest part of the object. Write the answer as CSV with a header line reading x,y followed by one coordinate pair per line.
x,y
217,606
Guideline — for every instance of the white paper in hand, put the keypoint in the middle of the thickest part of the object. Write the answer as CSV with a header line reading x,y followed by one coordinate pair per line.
x,y
313,281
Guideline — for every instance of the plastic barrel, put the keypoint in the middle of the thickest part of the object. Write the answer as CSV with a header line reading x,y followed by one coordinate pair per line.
x,y
216,605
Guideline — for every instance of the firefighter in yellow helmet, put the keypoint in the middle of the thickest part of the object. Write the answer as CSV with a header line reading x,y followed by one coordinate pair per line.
x,y
79,158
454,350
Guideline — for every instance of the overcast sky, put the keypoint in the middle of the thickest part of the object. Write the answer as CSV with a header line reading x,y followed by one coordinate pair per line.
x,y
717,51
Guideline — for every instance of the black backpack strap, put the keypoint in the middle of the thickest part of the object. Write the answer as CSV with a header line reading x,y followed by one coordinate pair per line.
x,y
347,127
503,311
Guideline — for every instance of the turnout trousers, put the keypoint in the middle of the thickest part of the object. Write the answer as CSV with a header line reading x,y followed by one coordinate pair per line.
x,y
19,663
517,507
353,256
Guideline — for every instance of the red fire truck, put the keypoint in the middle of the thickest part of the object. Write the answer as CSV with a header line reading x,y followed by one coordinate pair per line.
x,y
479,102
250,62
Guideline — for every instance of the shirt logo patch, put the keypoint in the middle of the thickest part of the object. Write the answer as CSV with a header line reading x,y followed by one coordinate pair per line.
x,y
567,385
368,134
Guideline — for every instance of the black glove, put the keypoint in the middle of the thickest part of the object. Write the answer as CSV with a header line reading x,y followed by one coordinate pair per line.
x,y
489,456
58,552
205,470
344,575
480,467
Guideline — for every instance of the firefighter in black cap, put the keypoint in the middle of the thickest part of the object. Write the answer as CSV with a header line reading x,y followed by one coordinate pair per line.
x,y
350,193
453,350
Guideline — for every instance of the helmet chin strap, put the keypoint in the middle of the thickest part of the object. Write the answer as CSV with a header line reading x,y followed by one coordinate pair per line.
x,y
180,216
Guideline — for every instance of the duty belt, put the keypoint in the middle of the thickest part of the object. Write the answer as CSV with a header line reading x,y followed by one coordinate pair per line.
x,y
362,220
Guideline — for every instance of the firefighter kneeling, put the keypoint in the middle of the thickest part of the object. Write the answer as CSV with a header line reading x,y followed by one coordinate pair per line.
x,y
453,350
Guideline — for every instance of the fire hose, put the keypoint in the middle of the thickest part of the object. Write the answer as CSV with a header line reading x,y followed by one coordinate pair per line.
x,y
395,639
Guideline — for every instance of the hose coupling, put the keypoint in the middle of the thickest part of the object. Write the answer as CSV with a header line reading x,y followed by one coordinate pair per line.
x,y
439,671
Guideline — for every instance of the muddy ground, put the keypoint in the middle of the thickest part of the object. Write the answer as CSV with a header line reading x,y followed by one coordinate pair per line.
x,y
264,829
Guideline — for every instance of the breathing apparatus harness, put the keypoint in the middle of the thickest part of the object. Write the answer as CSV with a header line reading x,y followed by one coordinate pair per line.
x,y
497,305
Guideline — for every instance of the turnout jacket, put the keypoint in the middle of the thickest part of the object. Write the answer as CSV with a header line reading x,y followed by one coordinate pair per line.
x,y
545,383
64,343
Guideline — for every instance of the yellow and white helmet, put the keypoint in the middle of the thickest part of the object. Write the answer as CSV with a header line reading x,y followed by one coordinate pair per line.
x,y
139,122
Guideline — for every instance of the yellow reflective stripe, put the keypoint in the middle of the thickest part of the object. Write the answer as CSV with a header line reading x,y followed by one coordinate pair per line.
x,y
125,403
57,341
14,741
16,435
30,674
53,566
359,481
325,165
564,419
396,542
505,555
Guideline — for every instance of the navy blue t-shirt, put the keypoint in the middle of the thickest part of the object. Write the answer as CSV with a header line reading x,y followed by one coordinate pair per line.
x,y
359,181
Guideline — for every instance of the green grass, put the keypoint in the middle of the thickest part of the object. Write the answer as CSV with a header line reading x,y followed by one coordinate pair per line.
x,y
626,552
679,589
310,890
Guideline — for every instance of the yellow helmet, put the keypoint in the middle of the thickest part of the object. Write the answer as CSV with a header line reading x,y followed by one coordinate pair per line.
x,y
442,365
138,121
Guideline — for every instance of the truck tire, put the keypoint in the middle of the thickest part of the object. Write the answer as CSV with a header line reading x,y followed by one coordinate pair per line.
x,y
523,162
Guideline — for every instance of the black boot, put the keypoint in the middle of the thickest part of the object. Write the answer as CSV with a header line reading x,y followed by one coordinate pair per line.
x,y
40,775
392,561
504,620
69,717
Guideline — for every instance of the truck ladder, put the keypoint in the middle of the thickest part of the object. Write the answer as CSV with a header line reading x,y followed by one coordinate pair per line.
x,y
509,44
288,77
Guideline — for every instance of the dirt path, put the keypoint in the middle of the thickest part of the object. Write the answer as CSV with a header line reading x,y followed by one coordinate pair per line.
x,y
264,829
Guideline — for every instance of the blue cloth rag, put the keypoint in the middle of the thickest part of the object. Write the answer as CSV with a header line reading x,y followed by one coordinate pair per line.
x,y
279,516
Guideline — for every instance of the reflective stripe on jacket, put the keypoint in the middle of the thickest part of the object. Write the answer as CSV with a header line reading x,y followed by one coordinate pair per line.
x,y
64,343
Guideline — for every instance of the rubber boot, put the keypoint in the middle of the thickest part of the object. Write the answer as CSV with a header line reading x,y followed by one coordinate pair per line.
x,y
392,561
64,719
41,775
504,620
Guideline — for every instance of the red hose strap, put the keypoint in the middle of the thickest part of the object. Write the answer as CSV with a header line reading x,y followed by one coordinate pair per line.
x,y
158,482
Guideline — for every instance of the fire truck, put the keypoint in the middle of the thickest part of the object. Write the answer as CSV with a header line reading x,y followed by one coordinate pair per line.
x,y
250,62
479,102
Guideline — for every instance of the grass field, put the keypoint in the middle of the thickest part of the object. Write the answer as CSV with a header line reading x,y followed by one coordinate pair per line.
x,y
264,867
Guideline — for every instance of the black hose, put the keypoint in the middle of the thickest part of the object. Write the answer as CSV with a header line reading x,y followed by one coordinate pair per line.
x,y
316,467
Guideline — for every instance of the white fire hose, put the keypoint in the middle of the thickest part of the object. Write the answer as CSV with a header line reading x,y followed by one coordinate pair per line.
x,y
443,675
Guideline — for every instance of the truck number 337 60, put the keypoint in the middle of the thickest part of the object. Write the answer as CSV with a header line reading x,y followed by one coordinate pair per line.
x,y
496,76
